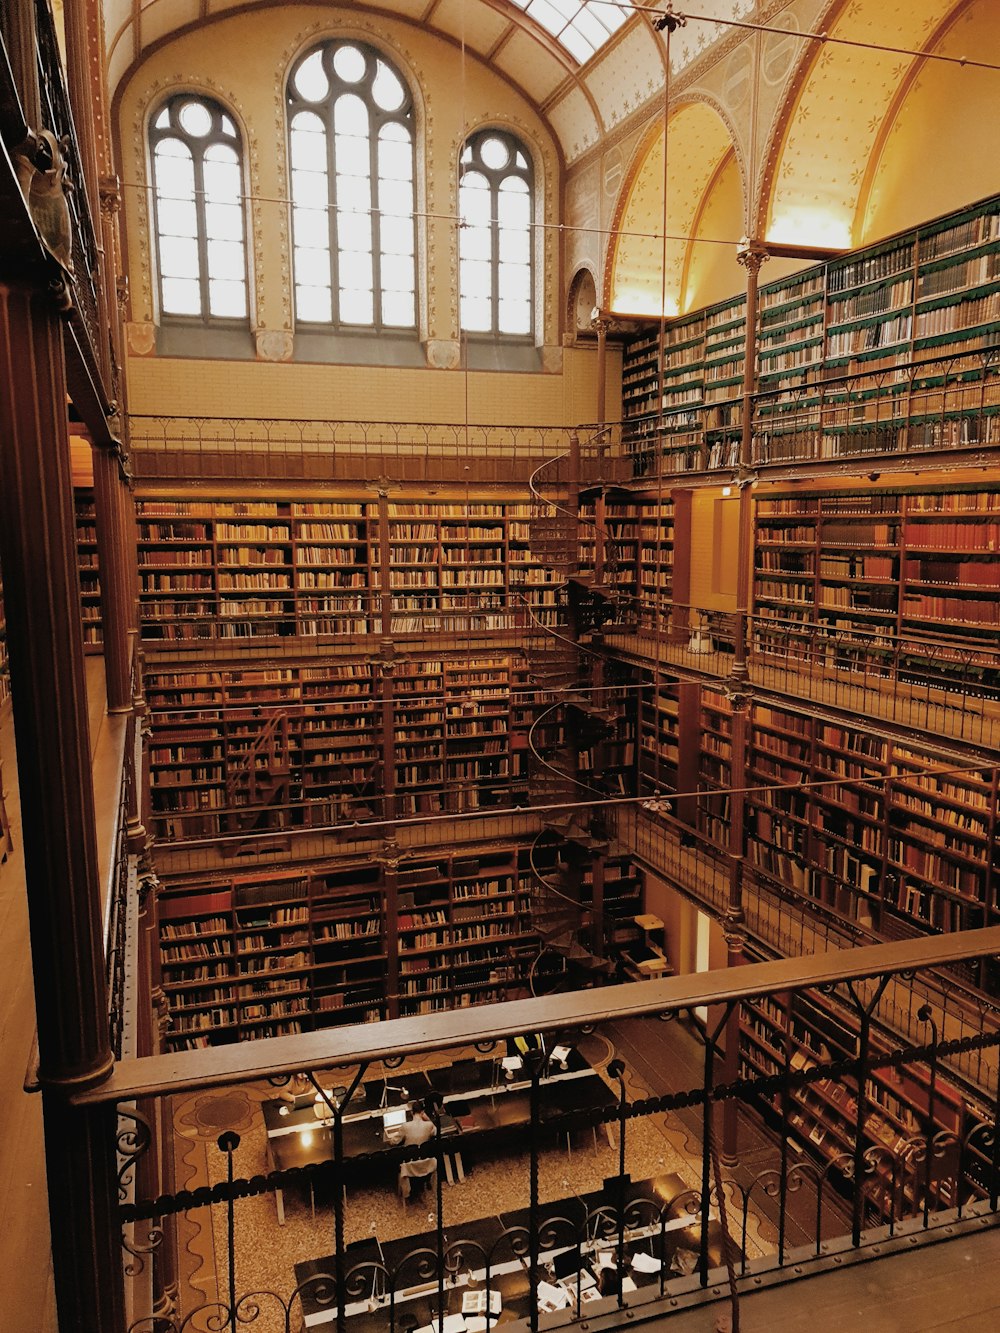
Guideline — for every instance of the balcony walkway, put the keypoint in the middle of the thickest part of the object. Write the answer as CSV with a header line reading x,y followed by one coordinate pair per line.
x,y
944,714
945,1288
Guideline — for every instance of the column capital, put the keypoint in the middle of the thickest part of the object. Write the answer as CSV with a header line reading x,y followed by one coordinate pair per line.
x,y
110,188
752,254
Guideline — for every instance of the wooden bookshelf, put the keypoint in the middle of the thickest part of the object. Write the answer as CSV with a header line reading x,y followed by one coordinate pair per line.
x,y
290,950
918,564
87,563
823,1113
223,741
344,567
913,298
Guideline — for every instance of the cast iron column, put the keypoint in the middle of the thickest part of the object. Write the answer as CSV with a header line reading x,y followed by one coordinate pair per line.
x,y
41,592
113,554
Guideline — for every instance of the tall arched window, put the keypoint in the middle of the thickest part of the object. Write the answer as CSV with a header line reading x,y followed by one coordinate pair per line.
x,y
496,205
351,129
198,201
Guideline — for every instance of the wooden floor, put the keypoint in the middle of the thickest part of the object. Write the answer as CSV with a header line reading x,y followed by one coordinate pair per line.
x,y
946,1288
26,1294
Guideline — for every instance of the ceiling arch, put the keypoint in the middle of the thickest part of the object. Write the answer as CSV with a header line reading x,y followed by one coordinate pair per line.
x,y
496,31
647,275
832,123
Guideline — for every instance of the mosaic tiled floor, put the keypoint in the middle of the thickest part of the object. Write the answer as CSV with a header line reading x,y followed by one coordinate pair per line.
x,y
266,1252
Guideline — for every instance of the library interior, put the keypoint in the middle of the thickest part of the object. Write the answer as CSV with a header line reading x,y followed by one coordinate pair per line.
x,y
499,665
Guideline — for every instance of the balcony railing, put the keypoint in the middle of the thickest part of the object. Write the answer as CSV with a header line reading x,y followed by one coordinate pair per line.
x,y
873,1144
313,450
948,686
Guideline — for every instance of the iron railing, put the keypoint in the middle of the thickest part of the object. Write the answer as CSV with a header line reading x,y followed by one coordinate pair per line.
x,y
947,686
873,1144
315,450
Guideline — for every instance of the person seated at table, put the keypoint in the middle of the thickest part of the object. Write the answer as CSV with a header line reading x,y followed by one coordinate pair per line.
x,y
412,1133
297,1090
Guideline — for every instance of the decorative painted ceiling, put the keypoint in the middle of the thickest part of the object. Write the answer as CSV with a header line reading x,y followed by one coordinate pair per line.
x,y
542,47
812,114
648,272
830,136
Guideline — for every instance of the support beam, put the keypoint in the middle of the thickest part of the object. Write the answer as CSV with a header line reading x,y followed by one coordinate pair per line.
x,y
41,592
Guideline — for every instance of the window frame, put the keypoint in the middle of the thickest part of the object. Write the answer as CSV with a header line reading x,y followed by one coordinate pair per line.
x,y
173,104
472,144
378,118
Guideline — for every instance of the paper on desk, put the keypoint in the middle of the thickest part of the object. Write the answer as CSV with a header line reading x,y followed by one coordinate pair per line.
x,y
453,1323
646,1263
551,1297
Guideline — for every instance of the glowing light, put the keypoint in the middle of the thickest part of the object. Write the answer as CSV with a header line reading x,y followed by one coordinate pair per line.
x,y
727,492
642,301
307,1138
805,225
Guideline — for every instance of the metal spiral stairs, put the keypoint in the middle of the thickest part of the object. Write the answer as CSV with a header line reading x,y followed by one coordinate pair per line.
x,y
265,785
577,715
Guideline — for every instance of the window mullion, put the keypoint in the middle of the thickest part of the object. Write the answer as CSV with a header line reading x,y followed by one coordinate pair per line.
x,y
495,252
201,230
333,217
375,199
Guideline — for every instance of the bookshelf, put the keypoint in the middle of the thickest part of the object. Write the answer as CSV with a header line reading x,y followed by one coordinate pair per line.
x,y
921,311
822,1116
464,931
321,567
895,835
303,949
662,398
456,742
918,564
87,563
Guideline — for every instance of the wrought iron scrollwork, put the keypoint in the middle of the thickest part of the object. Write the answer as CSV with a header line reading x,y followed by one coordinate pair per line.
x,y
135,1137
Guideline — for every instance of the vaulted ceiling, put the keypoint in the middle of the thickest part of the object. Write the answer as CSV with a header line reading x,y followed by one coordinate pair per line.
x,y
832,138
581,101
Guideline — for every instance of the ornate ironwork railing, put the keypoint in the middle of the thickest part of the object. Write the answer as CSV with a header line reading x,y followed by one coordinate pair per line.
x,y
946,685
872,1144
312,449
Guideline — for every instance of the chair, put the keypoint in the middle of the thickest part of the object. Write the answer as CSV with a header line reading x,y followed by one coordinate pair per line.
x,y
423,1169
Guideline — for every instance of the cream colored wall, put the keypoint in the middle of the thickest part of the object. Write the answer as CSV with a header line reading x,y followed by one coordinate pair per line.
x,y
175,386
940,151
451,99
714,537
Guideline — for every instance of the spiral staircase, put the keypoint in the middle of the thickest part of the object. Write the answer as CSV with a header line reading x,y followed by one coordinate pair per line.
x,y
578,713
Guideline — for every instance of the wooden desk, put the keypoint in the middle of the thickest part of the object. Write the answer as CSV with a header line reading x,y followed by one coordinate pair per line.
x,y
486,1103
367,1313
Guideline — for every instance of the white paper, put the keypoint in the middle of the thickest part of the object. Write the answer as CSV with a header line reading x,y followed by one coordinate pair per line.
x,y
646,1263
551,1297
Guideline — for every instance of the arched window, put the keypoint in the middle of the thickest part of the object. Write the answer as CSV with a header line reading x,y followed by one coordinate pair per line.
x,y
351,130
198,201
496,205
